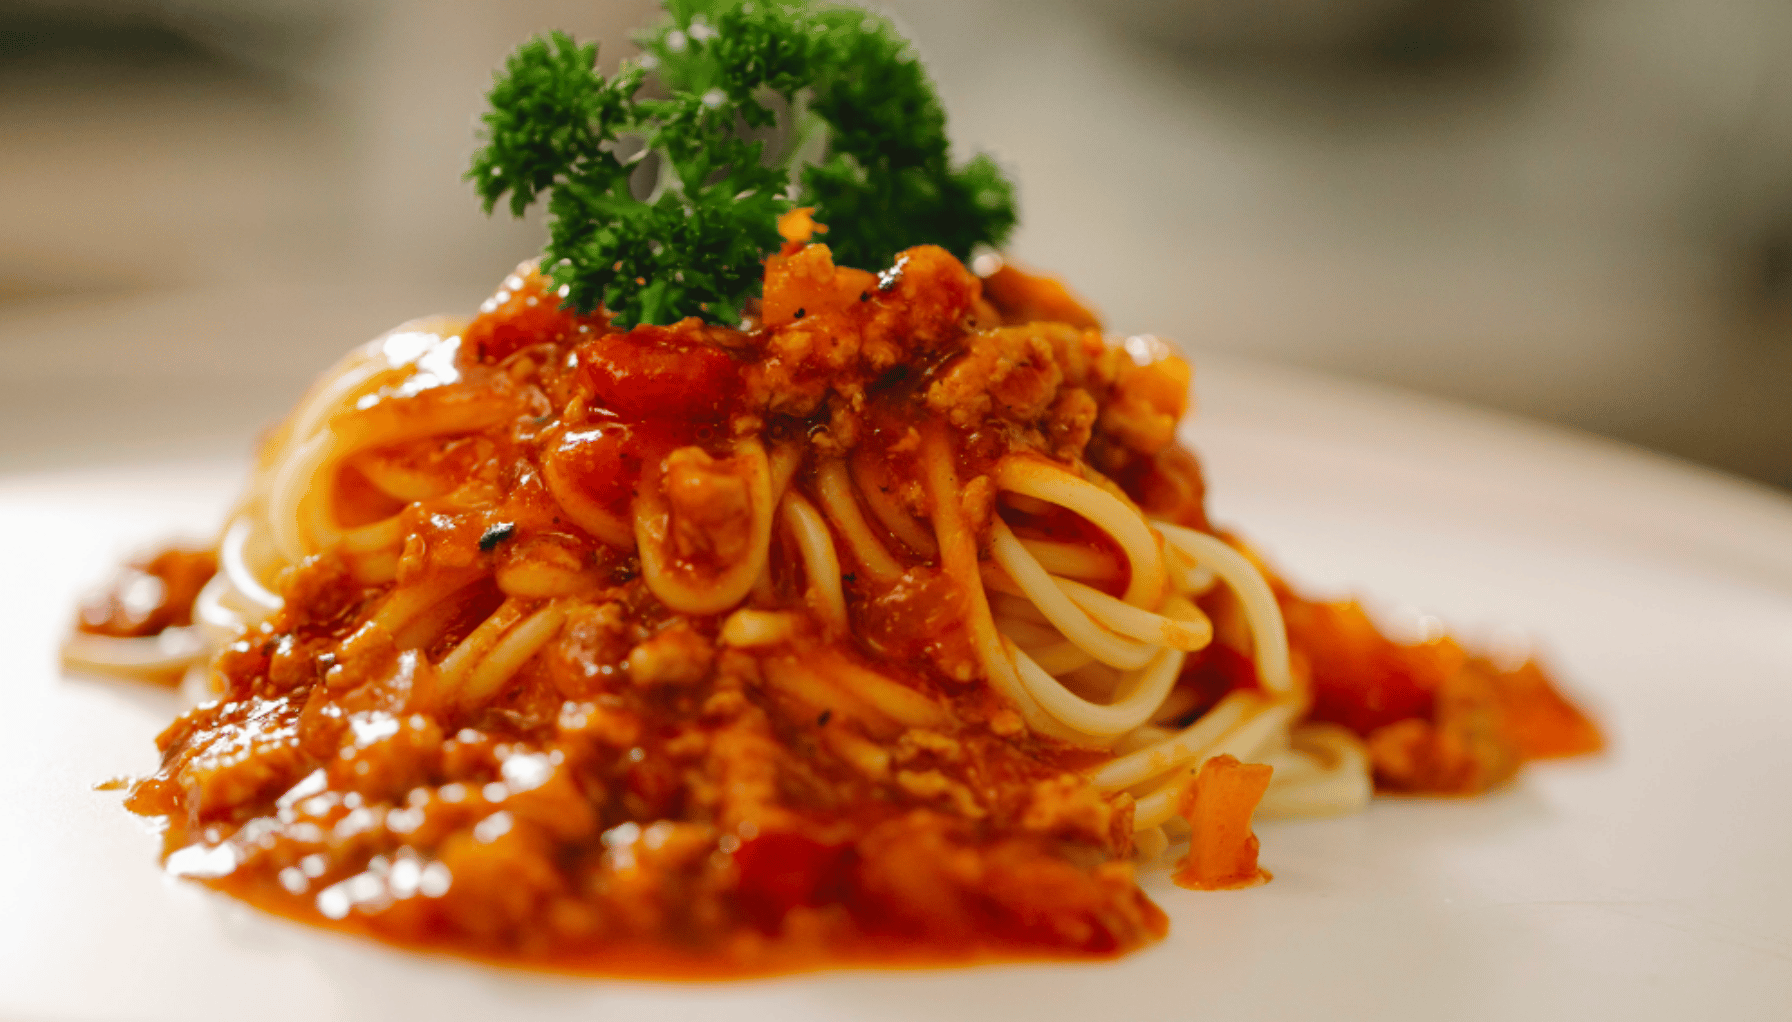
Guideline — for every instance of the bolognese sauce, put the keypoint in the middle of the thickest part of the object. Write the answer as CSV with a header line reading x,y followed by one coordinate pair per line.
x,y
703,650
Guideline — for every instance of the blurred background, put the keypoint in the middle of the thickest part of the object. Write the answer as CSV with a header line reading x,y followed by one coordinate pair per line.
x,y
1578,210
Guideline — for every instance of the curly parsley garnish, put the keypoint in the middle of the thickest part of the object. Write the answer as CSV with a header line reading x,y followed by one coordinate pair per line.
x,y
663,201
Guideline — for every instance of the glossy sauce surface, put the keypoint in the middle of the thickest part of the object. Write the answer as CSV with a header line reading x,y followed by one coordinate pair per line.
x,y
639,797
643,797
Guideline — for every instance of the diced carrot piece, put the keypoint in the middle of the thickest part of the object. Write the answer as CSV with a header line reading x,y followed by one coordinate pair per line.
x,y
807,283
1540,720
798,226
1222,853
1024,297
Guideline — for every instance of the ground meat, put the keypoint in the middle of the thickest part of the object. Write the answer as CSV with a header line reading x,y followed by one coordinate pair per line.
x,y
595,641
149,594
933,786
930,880
1022,297
247,751
1147,401
1071,422
1068,806
678,655
840,328
495,735
921,615
390,754
710,510
1011,372
1462,749
503,873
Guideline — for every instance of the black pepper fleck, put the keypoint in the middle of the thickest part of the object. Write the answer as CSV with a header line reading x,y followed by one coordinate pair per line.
x,y
496,534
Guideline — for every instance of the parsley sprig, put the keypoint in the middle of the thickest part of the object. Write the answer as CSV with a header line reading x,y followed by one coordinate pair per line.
x,y
754,108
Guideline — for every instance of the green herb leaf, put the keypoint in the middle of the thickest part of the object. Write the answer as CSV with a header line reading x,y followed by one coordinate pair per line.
x,y
766,106
550,117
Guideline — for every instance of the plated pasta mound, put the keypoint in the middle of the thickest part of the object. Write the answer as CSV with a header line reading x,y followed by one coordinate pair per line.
x,y
724,610
892,629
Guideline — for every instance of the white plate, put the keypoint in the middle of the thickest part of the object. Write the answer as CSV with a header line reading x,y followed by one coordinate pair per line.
x,y
1651,883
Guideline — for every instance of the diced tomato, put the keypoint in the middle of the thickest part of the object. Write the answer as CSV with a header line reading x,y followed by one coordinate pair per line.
x,y
1361,679
654,372
1385,691
781,871
655,784
601,462
1216,671
522,316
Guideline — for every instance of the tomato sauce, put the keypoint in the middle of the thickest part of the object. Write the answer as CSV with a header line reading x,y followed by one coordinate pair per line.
x,y
639,797
643,794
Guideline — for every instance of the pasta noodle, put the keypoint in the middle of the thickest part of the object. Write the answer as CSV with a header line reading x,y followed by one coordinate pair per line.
x,y
761,646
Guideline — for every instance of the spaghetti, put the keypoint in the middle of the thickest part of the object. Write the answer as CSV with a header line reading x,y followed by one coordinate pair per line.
x,y
889,626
